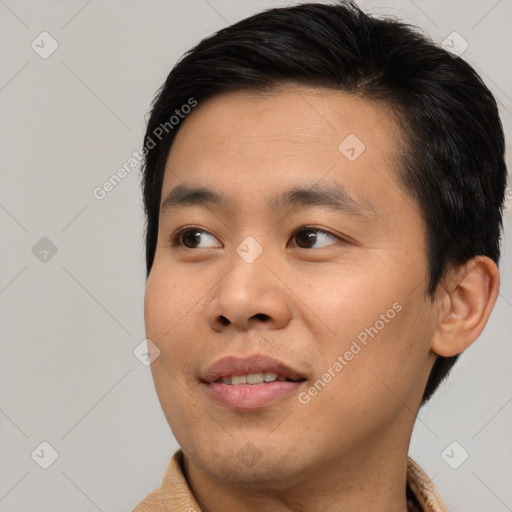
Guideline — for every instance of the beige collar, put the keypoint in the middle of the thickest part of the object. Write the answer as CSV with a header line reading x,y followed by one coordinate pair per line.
x,y
175,495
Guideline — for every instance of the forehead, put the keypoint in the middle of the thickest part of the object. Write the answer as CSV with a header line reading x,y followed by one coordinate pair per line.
x,y
288,121
246,141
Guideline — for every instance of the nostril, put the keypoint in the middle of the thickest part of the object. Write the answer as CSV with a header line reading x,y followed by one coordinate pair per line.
x,y
223,320
262,316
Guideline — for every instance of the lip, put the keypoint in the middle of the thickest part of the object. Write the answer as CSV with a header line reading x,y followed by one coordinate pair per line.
x,y
233,365
250,396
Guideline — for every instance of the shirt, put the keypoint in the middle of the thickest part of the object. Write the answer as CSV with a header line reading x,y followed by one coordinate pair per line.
x,y
175,495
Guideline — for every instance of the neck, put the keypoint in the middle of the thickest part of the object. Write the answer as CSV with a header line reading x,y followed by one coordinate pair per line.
x,y
370,481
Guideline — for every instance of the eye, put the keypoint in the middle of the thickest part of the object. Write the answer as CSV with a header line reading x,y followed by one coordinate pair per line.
x,y
307,237
191,238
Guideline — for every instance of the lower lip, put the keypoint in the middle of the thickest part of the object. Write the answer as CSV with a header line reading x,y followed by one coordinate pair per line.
x,y
251,396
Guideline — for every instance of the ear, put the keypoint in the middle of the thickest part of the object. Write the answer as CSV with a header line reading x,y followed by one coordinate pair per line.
x,y
466,302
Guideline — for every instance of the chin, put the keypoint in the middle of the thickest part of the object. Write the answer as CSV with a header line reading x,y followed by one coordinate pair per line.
x,y
246,462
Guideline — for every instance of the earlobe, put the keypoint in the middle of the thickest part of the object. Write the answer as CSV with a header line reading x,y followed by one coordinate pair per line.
x,y
467,304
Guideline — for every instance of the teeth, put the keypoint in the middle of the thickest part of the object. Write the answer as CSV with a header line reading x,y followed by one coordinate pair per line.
x,y
238,379
269,376
255,378
252,378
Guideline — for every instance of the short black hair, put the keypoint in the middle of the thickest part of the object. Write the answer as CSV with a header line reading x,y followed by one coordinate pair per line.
x,y
453,161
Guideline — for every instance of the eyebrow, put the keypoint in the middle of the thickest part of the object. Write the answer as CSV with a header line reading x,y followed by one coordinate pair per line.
x,y
330,195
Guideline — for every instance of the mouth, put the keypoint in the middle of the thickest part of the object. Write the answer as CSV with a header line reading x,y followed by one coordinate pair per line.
x,y
251,382
254,378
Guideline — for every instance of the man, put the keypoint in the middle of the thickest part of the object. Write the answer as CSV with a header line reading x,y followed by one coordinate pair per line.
x,y
323,192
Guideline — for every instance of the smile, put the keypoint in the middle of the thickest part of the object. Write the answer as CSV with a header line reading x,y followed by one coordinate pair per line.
x,y
249,383
253,378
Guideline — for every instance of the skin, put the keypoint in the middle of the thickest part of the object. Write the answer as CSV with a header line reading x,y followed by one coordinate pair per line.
x,y
300,302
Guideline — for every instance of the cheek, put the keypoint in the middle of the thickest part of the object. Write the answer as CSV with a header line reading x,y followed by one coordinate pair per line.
x,y
172,302
165,318
169,319
352,300
389,358
380,329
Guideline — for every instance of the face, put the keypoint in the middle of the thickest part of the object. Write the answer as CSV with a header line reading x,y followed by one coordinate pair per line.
x,y
288,299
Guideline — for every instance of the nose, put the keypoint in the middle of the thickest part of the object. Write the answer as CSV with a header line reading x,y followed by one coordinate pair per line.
x,y
249,295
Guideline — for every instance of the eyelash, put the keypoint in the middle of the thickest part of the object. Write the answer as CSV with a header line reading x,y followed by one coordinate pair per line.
x,y
177,237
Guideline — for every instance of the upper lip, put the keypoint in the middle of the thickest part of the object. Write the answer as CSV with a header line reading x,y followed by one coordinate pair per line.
x,y
236,365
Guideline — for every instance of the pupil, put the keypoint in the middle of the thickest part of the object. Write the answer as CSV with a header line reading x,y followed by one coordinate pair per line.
x,y
191,237
308,236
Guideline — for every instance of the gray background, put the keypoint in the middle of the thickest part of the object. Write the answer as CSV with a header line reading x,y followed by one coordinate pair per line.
x,y
69,325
